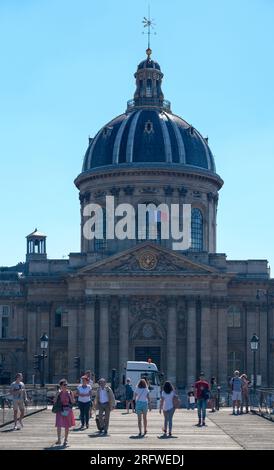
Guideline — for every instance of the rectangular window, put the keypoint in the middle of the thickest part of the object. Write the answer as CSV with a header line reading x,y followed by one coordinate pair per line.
x,y
4,321
5,327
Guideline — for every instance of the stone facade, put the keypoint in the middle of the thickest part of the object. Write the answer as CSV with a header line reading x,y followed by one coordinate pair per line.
x,y
185,314
134,299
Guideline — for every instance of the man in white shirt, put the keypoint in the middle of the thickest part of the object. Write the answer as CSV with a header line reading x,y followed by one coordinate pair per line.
x,y
18,392
104,402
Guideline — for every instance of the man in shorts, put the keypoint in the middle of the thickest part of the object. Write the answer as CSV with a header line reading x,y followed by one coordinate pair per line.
x,y
236,387
18,392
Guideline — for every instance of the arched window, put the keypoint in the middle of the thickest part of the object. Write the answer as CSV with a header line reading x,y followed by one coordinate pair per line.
x,y
101,243
233,317
61,317
149,88
58,318
197,232
234,362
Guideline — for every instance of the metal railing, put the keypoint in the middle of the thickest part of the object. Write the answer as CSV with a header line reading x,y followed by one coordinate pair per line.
x,y
37,400
262,402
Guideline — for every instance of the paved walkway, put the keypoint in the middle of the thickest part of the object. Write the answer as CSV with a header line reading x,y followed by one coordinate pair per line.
x,y
223,431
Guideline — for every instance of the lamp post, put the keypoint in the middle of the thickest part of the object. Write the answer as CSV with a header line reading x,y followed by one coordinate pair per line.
x,y
268,296
44,341
254,344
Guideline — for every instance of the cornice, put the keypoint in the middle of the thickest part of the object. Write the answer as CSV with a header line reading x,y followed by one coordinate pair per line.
x,y
119,170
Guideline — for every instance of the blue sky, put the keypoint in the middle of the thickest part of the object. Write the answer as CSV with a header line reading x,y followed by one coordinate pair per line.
x,y
67,69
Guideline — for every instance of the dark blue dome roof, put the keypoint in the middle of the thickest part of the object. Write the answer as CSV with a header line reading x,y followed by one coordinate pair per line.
x,y
149,64
148,133
148,136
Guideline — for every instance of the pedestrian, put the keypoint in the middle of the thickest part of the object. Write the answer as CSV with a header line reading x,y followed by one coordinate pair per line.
x,y
90,381
236,387
84,401
105,403
191,399
19,397
245,393
167,405
202,394
129,395
64,416
213,394
142,401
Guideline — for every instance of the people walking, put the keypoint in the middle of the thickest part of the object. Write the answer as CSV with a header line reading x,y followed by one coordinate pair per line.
x,y
129,395
19,397
105,403
202,391
245,393
64,416
84,401
236,387
167,405
142,403
213,394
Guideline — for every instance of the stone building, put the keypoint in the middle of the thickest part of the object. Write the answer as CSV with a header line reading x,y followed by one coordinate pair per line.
x,y
119,300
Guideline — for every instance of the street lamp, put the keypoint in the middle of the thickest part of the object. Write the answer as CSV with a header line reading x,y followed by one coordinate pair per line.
x,y
44,341
254,344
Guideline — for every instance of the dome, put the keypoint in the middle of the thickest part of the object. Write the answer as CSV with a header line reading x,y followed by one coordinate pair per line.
x,y
148,133
150,64
148,136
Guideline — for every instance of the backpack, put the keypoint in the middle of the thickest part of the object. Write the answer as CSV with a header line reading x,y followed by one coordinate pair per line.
x,y
205,394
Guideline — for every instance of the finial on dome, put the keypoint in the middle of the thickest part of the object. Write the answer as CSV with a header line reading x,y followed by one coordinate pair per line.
x,y
149,24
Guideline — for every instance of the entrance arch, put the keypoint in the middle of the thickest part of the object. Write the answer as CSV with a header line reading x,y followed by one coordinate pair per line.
x,y
147,339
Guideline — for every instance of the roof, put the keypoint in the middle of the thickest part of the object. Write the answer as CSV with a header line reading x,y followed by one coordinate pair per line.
x,y
36,234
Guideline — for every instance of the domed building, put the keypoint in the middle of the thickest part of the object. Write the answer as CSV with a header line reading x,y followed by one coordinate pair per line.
x,y
136,297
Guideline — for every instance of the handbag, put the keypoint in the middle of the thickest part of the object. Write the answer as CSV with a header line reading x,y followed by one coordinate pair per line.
x,y
205,394
98,423
65,411
176,401
57,406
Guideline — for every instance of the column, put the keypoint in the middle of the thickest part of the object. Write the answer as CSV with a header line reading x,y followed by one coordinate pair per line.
x,y
72,343
171,341
271,345
191,343
262,367
205,339
123,336
89,359
104,339
222,346
31,342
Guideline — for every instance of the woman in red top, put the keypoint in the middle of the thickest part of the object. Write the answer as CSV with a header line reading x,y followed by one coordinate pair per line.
x,y
64,417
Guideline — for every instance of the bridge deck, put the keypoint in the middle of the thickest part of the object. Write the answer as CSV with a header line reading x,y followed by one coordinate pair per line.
x,y
223,431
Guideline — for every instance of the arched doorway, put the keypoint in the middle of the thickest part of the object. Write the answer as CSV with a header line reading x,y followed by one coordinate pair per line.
x,y
147,341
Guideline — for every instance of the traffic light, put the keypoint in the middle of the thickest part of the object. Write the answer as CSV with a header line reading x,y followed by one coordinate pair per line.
x,y
76,362
37,362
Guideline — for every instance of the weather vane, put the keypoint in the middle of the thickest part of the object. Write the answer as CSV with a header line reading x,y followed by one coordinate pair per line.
x,y
149,24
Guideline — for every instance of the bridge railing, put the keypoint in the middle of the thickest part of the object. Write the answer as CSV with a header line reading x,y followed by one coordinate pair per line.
x,y
262,402
37,400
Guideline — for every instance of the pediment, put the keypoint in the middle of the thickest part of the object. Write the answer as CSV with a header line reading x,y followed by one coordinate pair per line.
x,y
147,258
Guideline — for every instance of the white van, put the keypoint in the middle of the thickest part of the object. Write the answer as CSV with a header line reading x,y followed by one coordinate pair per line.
x,y
137,370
